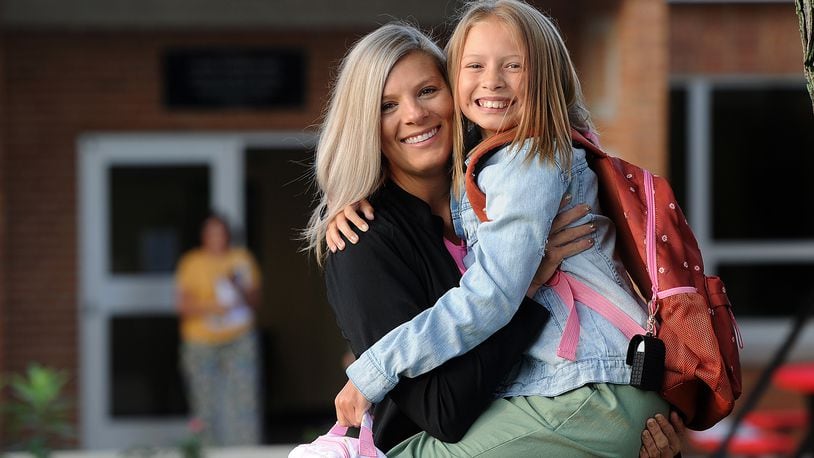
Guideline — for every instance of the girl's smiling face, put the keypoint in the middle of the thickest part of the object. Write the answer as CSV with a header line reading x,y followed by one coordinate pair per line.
x,y
491,79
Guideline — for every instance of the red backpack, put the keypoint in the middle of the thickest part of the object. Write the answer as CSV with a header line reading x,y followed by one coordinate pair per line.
x,y
692,311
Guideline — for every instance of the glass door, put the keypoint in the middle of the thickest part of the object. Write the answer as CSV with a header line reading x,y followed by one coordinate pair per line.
x,y
142,198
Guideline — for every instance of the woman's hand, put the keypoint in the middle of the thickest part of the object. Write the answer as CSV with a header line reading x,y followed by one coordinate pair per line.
x,y
662,438
563,241
351,405
339,225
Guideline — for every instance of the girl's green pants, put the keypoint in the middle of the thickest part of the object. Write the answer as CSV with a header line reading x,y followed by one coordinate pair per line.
x,y
594,420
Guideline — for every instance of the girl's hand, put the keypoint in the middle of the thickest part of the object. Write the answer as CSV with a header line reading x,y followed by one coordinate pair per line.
x,y
351,405
662,438
563,241
339,225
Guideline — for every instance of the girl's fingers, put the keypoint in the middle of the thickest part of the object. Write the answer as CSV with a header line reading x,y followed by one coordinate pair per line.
x,y
566,199
567,217
570,234
342,223
350,405
332,237
570,249
366,209
355,219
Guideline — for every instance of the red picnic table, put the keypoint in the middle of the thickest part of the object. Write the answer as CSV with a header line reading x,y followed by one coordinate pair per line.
x,y
799,377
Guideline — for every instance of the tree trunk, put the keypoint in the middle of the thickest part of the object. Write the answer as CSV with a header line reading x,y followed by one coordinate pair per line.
x,y
805,12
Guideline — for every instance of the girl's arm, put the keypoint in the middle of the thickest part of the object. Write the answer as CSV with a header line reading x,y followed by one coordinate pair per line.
x,y
523,198
340,225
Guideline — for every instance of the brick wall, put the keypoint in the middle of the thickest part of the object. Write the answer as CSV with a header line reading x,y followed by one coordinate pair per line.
x,y
623,64
620,50
735,39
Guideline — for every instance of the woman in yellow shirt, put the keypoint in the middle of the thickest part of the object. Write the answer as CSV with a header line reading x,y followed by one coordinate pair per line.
x,y
218,289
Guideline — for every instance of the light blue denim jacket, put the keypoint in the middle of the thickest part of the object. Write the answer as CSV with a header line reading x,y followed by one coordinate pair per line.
x,y
523,198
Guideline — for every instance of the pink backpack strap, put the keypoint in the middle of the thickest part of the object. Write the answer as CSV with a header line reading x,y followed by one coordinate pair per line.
x,y
338,430
366,446
571,290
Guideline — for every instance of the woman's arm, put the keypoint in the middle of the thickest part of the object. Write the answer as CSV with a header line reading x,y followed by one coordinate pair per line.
x,y
188,303
447,400
523,200
188,306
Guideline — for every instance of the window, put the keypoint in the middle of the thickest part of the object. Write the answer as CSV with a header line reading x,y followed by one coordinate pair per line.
x,y
741,152
155,215
145,377
763,155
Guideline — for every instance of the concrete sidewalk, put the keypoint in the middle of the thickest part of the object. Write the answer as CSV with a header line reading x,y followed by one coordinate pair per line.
x,y
275,451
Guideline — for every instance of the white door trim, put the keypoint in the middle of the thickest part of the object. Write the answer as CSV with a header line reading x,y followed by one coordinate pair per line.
x,y
102,294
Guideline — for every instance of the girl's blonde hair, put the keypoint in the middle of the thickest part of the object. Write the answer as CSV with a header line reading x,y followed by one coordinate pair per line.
x,y
348,165
554,103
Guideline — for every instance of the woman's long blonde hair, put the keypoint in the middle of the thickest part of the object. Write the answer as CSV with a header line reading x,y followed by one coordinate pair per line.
x,y
554,103
348,165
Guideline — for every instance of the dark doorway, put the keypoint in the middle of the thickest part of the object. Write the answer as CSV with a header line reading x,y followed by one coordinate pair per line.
x,y
302,346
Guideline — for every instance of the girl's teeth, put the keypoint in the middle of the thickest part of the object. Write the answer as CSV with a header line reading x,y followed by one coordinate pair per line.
x,y
423,137
493,104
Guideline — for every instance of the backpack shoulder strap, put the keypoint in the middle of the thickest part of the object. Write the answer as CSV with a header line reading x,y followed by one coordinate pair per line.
x,y
479,155
589,146
614,175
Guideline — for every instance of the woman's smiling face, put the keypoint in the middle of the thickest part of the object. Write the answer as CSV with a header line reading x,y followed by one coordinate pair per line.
x,y
416,125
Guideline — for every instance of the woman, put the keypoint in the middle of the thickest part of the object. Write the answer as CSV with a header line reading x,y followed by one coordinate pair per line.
x,y
387,135
218,286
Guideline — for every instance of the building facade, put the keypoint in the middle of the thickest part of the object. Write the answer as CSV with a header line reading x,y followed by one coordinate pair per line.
x,y
122,123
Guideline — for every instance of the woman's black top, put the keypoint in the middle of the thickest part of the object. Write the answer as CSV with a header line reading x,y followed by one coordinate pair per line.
x,y
399,268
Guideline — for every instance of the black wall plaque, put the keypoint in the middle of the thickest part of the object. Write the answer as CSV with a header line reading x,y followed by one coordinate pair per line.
x,y
216,78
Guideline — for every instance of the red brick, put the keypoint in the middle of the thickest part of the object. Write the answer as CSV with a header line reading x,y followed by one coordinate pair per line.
x,y
726,39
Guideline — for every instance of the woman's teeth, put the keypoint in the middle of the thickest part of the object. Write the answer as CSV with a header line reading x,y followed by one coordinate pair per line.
x,y
421,137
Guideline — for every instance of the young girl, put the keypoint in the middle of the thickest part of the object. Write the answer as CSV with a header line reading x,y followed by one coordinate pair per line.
x,y
509,70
